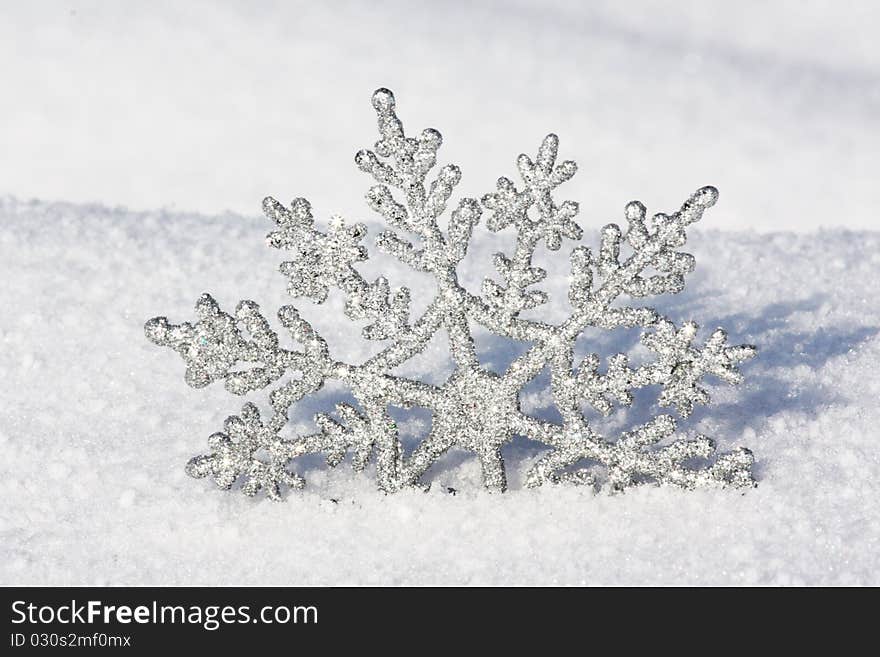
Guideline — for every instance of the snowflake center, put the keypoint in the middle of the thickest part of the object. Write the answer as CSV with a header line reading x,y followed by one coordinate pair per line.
x,y
478,407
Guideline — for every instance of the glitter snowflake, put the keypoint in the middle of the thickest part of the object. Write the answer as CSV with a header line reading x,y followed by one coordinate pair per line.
x,y
475,409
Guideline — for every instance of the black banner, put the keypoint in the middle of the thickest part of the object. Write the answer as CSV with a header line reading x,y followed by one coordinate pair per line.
x,y
146,620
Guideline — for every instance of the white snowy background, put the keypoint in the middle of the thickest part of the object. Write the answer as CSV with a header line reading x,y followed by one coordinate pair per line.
x,y
137,140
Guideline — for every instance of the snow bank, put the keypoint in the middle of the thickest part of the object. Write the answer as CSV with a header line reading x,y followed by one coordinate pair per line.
x,y
96,425
209,106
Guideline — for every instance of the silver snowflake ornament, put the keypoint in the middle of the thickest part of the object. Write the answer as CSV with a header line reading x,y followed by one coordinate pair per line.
x,y
474,409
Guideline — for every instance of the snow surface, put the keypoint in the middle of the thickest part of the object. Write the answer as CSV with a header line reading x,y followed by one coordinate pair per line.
x,y
97,424
207,107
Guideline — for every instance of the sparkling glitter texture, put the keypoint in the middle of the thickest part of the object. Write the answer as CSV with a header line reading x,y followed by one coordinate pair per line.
x,y
475,409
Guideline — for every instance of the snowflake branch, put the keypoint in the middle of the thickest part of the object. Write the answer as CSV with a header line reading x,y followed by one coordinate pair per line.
x,y
654,248
595,309
325,260
238,452
403,162
634,457
510,206
680,366
215,345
